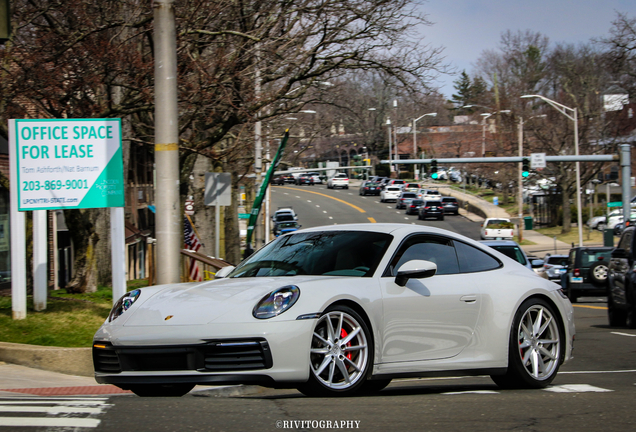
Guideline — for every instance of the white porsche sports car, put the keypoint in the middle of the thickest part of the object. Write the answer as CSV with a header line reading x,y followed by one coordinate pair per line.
x,y
342,309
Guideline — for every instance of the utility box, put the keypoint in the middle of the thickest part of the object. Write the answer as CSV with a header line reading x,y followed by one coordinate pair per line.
x,y
608,237
527,222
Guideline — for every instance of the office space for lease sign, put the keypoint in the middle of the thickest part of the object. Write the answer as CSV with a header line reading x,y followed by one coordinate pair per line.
x,y
70,163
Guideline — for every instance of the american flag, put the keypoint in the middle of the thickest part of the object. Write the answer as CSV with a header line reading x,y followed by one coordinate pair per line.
x,y
192,243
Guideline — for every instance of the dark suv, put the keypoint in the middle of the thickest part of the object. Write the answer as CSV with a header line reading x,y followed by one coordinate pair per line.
x,y
621,298
586,273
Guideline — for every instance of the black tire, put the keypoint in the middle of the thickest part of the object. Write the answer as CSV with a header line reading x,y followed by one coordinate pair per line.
x,y
572,294
441,217
616,317
598,273
161,390
374,386
542,353
339,368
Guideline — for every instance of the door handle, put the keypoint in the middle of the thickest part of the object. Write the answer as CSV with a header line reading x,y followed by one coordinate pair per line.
x,y
471,298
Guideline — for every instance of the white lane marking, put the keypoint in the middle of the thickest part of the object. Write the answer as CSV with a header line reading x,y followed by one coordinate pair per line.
x,y
51,410
624,334
576,388
297,196
286,193
330,217
49,422
472,392
307,200
317,205
406,218
324,211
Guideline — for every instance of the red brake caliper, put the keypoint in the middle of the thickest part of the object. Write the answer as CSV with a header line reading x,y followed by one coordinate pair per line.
x,y
343,334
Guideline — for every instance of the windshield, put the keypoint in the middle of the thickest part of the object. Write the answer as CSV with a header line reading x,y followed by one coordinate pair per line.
x,y
330,253
513,252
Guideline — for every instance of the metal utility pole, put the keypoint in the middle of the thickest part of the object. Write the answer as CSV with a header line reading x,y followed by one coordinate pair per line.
x,y
626,177
520,180
169,220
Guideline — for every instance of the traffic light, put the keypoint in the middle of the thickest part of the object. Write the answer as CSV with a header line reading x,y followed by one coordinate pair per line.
x,y
434,169
525,167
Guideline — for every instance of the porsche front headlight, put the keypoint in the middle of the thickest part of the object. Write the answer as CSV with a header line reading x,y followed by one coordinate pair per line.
x,y
276,302
123,304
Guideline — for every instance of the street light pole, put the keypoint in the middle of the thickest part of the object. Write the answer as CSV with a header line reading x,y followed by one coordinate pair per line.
x,y
388,123
433,114
574,117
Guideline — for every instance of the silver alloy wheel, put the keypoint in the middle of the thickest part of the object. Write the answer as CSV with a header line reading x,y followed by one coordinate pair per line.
x,y
539,342
600,272
339,351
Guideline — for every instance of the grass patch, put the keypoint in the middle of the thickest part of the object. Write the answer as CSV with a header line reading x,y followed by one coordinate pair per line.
x,y
595,236
70,320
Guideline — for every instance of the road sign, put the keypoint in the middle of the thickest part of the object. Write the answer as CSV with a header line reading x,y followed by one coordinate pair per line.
x,y
218,189
537,160
615,204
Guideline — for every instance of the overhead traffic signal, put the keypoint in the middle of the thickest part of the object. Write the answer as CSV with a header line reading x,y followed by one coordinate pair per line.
x,y
525,167
434,169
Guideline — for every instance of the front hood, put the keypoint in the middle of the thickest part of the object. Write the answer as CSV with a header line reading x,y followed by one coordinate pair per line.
x,y
202,303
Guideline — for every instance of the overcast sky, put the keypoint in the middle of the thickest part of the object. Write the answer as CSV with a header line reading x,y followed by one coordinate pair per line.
x,y
468,27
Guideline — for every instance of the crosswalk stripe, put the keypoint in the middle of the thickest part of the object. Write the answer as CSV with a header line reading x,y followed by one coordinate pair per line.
x,y
58,409
48,422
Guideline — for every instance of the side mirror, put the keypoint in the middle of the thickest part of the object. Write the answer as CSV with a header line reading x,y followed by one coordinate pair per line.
x,y
223,272
415,269
619,253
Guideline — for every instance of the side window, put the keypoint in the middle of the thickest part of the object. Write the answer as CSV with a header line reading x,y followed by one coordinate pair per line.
x,y
626,241
473,260
439,250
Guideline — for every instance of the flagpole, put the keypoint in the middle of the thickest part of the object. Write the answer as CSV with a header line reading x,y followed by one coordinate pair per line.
x,y
195,230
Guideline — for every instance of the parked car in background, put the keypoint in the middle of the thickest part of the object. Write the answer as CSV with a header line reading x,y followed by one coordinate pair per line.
x,y
390,193
497,229
621,296
411,187
304,179
281,228
369,188
429,194
620,227
395,182
278,180
414,206
340,180
512,250
450,204
587,272
431,208
554,266
597,222
284,210
405,199
316,177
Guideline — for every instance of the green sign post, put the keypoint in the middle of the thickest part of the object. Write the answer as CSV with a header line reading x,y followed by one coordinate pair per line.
x,y
258,201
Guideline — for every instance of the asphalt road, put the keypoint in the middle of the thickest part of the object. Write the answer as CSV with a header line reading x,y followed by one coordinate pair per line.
x,y
317,205
593,392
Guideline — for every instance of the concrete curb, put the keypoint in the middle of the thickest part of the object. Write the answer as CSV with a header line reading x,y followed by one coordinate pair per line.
x,y
474,204
70,361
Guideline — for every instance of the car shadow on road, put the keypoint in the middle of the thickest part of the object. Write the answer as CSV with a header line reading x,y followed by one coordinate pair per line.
x,y
395,389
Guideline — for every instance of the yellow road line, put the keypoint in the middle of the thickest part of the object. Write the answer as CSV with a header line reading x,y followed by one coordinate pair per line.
x,y
591,307
371,220
318,193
